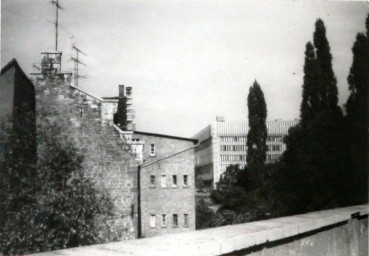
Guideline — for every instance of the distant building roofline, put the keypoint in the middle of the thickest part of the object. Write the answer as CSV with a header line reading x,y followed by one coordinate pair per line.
x,y
240,128
165,136
51,52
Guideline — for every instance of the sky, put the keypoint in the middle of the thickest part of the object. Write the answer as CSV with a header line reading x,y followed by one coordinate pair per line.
x,y
187,61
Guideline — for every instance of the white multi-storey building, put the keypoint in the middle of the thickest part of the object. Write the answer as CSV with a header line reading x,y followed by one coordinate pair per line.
x,y
224,143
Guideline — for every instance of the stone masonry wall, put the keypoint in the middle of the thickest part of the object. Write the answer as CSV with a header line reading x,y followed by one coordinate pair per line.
x,y
170,200
107,159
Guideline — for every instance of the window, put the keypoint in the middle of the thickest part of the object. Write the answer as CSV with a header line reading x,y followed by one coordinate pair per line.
x,y
152,150
152,221
185,180
163,220
152,181
276,147
174,180
185,220
175,220
163,181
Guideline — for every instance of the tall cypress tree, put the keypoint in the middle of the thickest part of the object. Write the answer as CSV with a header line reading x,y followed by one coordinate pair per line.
x,y
315,159
257,135
328,90
357,112
311,103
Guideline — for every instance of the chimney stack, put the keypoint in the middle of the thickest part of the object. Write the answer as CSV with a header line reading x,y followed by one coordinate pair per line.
x,y
121,91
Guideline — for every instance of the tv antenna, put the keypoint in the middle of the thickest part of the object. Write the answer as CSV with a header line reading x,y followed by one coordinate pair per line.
x,y
36,67
57,7
76,62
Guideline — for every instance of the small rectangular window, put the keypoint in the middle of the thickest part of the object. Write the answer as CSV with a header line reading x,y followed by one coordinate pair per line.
x,y
163,220
174,179
185,220
152,150
152,180
152,221
175,220
163,181
185,180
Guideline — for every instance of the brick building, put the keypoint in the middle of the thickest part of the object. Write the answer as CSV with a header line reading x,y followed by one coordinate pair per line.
x,y
224,143
167,183
166,177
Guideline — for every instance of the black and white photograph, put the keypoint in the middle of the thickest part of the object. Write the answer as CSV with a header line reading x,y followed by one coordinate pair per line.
x,y
184,127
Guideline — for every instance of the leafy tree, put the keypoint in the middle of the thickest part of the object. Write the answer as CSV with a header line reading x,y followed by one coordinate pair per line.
x,y
257,135
230,191
48,204
120,118
241,197
205,216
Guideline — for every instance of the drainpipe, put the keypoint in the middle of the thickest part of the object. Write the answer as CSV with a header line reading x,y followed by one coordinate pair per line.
x,y
139,228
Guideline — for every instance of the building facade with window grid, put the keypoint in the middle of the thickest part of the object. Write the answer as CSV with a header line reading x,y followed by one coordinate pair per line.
x,y
224,143
167,182
168,194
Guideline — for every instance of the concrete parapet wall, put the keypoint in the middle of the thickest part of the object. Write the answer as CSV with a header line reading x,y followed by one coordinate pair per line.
x,y
341,231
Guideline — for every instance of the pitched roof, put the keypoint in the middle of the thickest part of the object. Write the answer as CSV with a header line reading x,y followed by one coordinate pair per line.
x,y
165,136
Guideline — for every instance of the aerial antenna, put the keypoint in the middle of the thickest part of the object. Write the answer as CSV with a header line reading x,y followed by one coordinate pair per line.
x,y
71,36
36,67
57,7
76,62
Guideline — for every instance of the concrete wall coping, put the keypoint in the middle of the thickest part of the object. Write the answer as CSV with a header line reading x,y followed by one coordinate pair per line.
x,y
220,240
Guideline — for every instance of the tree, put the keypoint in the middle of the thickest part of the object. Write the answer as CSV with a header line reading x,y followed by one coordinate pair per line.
x,y
311,102
314,172
357,111
328,89
48,204
120,118
257,135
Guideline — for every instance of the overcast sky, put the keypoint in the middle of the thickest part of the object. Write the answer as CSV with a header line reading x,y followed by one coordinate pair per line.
x,y
187,61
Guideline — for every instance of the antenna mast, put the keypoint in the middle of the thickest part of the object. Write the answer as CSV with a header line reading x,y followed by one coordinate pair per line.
x,y
56,2
76,62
